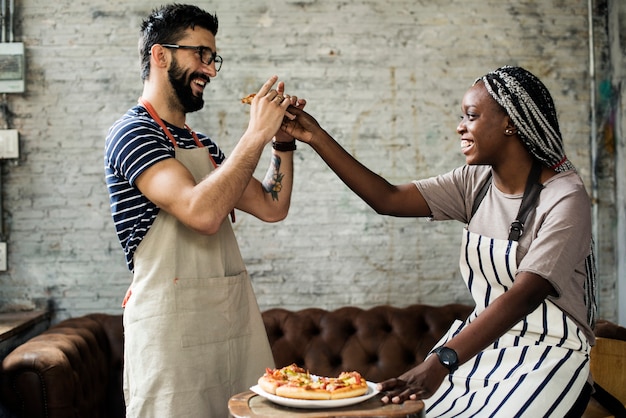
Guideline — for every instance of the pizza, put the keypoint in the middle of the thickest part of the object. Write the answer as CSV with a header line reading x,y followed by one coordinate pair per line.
x,y
248,98
297,383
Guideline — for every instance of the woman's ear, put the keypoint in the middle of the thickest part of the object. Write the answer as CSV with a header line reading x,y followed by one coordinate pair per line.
x,y
510,128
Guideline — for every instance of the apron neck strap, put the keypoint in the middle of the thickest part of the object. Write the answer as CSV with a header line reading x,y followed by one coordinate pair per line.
x,y
481,194
146,104
167,132
529,201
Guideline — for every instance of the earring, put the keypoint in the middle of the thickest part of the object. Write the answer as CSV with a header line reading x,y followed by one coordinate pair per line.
x,y
508,132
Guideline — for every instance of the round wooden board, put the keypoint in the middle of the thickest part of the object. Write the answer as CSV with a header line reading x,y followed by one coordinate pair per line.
x,y
250,405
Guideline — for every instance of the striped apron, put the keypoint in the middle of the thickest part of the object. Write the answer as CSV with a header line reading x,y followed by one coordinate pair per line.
x,y
537,369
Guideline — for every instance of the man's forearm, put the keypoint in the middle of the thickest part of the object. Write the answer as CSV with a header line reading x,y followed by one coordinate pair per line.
x,y
273,182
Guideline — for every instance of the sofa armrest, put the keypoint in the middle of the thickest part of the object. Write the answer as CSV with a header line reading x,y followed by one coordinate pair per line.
x,y
67,371
608,329
379,343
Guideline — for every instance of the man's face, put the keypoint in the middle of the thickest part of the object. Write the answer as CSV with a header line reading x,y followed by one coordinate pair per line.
x,y
181,80
187,74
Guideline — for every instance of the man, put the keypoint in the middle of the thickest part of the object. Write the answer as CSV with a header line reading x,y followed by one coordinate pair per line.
x,y
193,331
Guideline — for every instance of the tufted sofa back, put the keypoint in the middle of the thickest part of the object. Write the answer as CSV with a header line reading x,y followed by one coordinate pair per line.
x,y
380,343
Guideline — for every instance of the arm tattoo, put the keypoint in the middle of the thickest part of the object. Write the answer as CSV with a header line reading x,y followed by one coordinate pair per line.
x,y
273,181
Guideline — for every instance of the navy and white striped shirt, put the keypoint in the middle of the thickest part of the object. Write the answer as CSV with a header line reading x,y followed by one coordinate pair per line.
x,y
134,143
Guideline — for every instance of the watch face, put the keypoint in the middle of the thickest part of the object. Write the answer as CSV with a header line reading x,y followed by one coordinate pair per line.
x,y
448,357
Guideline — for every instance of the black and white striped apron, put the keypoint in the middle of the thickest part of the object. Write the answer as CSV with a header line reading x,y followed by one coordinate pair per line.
x,y
537,369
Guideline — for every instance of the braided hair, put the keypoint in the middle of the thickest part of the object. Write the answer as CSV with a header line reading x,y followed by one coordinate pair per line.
x,y
529,104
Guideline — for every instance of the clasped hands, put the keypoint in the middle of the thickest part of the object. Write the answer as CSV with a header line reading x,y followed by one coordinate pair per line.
x,y
273,103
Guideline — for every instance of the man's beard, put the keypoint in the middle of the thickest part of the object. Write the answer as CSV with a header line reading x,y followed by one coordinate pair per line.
x,y
182,88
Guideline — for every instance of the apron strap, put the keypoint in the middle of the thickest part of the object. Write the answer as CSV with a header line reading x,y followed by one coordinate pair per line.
x,y
529,201
481,194
146,104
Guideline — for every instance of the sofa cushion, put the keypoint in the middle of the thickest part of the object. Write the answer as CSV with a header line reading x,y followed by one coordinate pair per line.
x,y
380,343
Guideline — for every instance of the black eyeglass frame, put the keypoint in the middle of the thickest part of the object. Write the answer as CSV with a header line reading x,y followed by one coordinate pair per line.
x,y
201,53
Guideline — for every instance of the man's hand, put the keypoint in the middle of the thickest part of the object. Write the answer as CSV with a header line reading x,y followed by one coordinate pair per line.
x,y
268,110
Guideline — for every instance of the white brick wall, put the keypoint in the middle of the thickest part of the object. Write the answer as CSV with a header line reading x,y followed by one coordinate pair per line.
x,y
385,78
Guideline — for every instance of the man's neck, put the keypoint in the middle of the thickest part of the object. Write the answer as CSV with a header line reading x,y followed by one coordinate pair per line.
x,y
163,108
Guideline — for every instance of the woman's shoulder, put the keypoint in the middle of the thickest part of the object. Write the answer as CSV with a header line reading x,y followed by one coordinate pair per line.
x,y
473,177
474,170
469,173
566,182
565,191
465,179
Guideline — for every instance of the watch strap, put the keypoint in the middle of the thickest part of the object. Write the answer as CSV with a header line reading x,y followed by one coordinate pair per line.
x,y
284,146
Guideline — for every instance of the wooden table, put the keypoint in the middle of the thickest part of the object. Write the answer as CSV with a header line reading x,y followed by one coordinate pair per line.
x,y
18,327
250,405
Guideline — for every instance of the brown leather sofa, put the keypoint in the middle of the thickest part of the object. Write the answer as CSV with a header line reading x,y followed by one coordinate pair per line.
x,y
74,369
380,343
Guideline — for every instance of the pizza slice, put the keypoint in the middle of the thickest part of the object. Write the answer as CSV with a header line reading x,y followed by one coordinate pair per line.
x,y
347,385
248,98
273,378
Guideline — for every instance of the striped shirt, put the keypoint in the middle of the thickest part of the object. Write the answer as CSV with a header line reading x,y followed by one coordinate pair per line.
x,y
134,143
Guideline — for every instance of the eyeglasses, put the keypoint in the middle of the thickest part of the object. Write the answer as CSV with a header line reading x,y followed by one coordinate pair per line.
x,y
207,56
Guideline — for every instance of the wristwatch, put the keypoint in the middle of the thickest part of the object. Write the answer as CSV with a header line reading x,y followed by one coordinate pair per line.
x,y
447,357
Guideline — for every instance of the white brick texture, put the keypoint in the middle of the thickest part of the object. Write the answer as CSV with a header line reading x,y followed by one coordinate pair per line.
x,y
384,77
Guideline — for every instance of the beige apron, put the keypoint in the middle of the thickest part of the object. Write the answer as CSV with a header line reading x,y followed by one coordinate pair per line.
x,y
194,335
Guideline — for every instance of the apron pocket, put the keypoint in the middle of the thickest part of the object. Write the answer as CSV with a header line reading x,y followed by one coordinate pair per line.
x,y
212,310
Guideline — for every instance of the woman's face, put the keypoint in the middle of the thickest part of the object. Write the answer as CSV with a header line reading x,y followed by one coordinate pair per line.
x,y
482,126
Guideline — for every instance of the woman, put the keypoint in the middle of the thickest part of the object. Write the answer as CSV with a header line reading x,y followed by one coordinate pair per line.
x,y
525,257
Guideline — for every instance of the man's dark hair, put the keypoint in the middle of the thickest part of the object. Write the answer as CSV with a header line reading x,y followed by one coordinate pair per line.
x,y
167,25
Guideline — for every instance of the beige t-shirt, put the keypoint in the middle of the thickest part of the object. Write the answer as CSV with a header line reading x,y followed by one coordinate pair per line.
x,y
556,238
